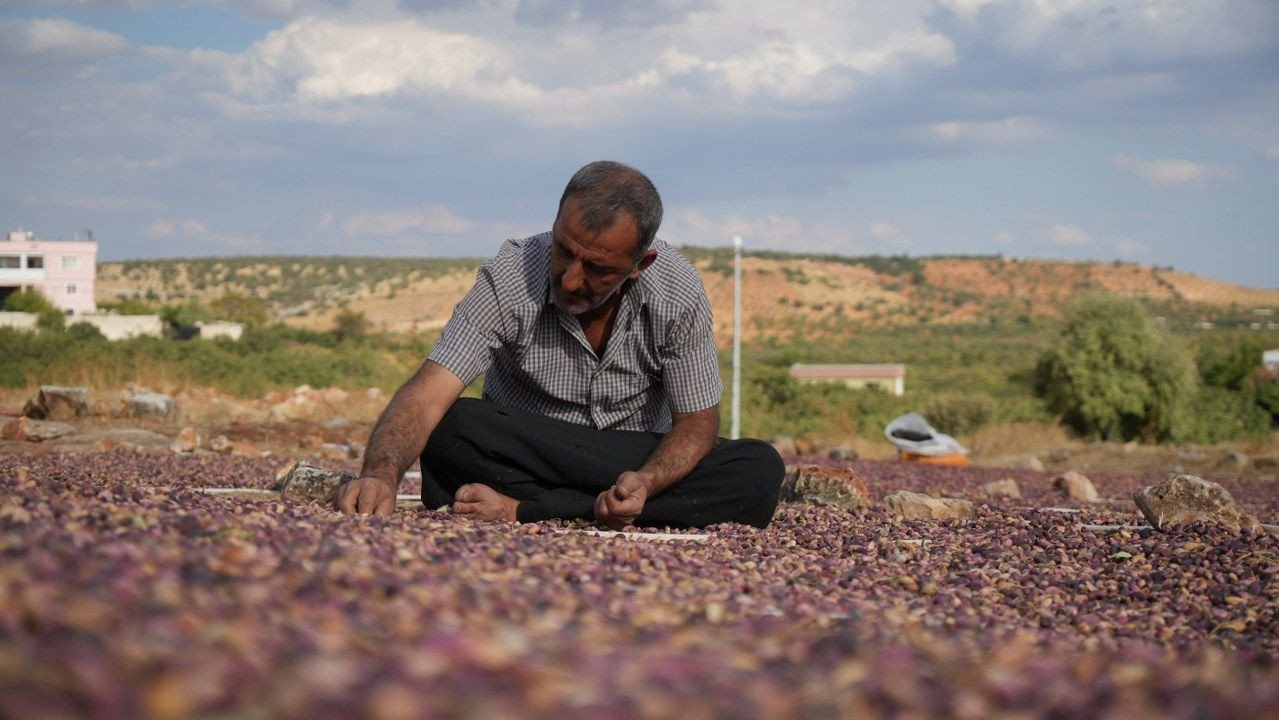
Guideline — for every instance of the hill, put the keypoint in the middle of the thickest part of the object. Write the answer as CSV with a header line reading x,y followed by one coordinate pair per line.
x,y
787,295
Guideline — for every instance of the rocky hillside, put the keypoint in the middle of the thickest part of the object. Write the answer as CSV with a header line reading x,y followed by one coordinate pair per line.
x,y
785,293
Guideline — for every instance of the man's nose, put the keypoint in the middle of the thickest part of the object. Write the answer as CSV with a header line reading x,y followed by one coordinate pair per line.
x,y
572,279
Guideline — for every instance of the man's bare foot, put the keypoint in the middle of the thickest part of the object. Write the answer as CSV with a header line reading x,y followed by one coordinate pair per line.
x,y
482,502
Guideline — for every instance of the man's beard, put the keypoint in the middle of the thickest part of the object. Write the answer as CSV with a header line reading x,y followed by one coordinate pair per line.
x,y
580,304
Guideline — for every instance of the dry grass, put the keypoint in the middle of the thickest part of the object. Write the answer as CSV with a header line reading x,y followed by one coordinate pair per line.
x,y
1022,438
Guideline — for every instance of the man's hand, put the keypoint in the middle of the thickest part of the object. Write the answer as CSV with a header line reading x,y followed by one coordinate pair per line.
x,y
366,495
618,507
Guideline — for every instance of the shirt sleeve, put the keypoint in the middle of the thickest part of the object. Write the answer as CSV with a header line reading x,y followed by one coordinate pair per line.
x,y
690,366
473,332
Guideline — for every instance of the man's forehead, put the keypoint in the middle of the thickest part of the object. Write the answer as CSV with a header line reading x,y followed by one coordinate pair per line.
x,y
619,238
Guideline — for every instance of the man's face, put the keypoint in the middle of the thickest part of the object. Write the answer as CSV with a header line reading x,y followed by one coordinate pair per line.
x,y
586,267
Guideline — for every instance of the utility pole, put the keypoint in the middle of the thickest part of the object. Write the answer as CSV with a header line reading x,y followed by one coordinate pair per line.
x,y
736,431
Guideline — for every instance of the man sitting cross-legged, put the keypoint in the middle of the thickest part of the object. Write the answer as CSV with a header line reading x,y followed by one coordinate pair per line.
x,y
601,398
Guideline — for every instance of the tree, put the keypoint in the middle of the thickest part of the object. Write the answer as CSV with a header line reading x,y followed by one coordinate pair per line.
x,y
32,300
237,307
350,324
1111,373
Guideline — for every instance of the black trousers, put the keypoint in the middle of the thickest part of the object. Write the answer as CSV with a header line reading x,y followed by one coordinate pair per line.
x,y
556,469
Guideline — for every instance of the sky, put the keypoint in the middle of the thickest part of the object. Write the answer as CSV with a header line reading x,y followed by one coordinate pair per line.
x,y
1142,131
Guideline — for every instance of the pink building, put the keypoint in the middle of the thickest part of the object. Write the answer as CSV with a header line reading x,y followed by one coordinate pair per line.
x,y
63,271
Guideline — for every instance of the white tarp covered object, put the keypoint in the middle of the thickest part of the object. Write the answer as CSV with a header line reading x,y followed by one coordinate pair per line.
x,y
911,433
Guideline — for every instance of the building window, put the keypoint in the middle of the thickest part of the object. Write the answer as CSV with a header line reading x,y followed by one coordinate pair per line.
x,y
11,261
35,262
71,288
70,262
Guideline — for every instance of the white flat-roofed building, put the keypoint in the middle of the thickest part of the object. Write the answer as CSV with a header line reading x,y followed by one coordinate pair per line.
x,y
890,377
63,271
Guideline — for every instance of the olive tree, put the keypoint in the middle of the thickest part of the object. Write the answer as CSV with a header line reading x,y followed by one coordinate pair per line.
x,y
1113,374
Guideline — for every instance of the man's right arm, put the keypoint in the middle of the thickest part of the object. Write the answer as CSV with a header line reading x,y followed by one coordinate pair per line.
x,y
398,439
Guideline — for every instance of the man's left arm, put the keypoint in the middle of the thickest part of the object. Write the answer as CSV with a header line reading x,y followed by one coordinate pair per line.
x,y
692,436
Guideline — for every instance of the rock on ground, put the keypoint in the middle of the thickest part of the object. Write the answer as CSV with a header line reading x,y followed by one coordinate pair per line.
x,y
1077,486
24,428
305,482
917,505
1183,499
783,444
834,487
52,402
1002,488
1034,464
842,453
187,441
145,403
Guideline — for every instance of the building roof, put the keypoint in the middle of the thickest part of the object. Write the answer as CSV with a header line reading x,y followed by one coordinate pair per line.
x,y
847,371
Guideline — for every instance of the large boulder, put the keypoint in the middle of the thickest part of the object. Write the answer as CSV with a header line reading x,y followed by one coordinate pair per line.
x,y
918,505
24,428
834,487
145,403
53,402
1185,499
304,482
1077,486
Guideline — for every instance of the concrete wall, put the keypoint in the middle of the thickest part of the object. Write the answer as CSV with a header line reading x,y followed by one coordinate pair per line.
x,y
119,327
209,331
893,385
19,320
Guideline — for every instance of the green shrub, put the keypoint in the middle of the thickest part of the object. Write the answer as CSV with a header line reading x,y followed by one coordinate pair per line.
x,y
31,300
1111,373
957,414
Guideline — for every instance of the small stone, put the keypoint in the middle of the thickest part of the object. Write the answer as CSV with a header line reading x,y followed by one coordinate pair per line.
x,y
375,394
53,402
918,505
354,450
1185,499
806,446
842,453
1033,463
1077,486
784,445
244,449
1006,487
304,482
187,441
1237,459
24,428
819,485
333,451
220,444
333,395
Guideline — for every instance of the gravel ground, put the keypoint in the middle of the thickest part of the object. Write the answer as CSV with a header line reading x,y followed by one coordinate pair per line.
x,y
124,594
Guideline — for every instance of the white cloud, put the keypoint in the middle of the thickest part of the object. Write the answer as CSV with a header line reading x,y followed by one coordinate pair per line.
x,y
55,40
92,203
772,231
1069,235
433,220
1128,246
887,232
190,234
1018,130
1003,237
1167,172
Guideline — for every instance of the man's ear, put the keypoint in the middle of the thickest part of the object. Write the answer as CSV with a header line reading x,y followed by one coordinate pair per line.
x,y
649,256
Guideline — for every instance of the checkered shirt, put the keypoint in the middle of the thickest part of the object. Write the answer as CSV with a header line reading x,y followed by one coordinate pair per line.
x,y
660,358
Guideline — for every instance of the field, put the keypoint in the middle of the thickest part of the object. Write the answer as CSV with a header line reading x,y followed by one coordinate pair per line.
x,y
125,594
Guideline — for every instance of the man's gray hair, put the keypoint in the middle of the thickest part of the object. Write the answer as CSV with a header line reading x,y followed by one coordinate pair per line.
x,y
604,188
